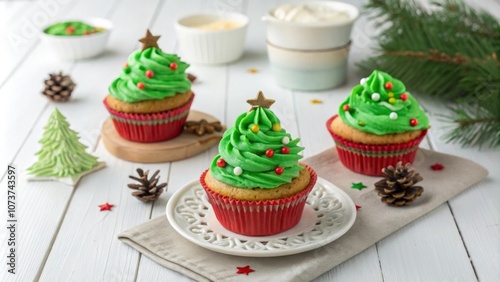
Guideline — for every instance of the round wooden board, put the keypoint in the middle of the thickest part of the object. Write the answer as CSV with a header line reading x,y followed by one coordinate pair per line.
x,y
182,147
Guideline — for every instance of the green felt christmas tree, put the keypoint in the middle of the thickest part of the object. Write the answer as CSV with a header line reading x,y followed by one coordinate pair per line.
x,y
62,155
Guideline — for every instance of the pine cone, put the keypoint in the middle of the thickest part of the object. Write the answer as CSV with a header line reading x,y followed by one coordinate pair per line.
x,y
397,188
58,87
148,190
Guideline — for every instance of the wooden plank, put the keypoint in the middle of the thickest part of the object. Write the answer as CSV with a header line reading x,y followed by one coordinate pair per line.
x,y
475,211
24,87
41,205
363,267
103,257
86,245
210,89
89,129
93,253
11,11
40,209
21,36
429,249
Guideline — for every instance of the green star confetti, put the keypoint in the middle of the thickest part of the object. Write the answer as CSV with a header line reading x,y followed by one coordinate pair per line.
x,y
360,186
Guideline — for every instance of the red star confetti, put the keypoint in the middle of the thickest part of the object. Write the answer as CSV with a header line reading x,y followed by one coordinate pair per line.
x,y
437,166
244,270
106,207
360,186
358,207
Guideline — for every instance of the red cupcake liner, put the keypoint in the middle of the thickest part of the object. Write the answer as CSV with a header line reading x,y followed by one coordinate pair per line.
x,y
153,127
259,218
370,159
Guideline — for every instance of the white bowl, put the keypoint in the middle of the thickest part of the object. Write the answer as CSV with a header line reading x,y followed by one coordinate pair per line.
x,y
311,36
308,70
211,46
78,47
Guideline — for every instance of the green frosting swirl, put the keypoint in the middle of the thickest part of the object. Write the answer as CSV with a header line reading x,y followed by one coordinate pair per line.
x,y
166,81
241,147
73,28
383,115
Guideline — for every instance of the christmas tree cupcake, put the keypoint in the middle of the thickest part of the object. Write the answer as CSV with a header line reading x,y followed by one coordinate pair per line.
x,y
378,125
256,185
150,101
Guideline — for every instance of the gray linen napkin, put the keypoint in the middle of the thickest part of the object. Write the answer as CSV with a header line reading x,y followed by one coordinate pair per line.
x,y
160,242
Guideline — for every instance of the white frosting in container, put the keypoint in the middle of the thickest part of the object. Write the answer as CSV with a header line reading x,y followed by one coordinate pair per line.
x,y
311,13
219,25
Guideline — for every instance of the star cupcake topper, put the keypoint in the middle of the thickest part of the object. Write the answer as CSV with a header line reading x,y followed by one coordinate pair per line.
x,y
149,41
260,101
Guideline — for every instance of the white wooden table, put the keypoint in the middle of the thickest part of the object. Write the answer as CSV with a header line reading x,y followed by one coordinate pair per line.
x,y
61,234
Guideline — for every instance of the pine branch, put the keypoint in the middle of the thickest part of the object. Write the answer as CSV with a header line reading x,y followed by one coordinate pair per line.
x,y
449,51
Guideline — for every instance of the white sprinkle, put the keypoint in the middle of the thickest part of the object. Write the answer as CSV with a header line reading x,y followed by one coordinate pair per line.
x,y
393,115
285,140
362,81
237,170
375,96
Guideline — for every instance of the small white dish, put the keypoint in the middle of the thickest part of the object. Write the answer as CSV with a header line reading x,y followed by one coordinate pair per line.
x,y
78,47
328,214
311,35
211,47
309,70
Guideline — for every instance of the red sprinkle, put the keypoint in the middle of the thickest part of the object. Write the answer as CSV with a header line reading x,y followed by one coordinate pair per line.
x,y
150,74
346,107
70,30
269,153
285,150
358,207
106,207
388,85
140,85
437,166
403,97
413,122
125,65
173,66
279,170
221,163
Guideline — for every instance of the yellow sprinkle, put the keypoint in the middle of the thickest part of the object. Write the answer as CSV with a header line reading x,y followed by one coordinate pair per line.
x,y
361,123
252,70
316,101
254,128
390,94
392,100
276,127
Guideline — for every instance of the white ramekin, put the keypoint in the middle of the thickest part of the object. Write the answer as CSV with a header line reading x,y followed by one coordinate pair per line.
x,y
78,47
311,36
211,46
308,70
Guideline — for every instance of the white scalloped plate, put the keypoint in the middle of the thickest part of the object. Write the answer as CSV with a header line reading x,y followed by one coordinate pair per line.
x,y
328,214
